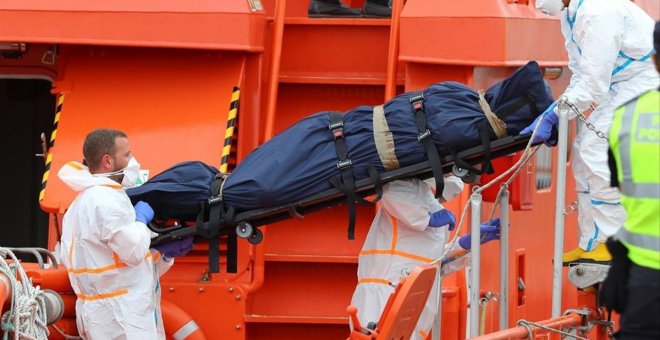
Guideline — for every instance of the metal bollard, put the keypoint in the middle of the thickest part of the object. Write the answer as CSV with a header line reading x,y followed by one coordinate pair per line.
x,y
504,260
560,201
475,263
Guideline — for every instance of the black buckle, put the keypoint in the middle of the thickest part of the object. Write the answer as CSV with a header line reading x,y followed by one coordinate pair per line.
x,y
423,136
417,101
341,165
215,199
337,129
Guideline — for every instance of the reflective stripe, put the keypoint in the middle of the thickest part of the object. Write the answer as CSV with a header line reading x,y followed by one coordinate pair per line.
x,y
630,61
117,264
591,240
571,23
641,190
186,330
396,253
75,165
95,270
375,280
649,242
423,334
395,233
624,141
597,202
102,296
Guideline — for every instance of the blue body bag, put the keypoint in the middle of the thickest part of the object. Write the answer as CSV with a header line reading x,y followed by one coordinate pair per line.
x,y
302,160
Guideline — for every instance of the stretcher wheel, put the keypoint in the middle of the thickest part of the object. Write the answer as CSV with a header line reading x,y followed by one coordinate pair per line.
x,y
469,178
465,175
244,230
256,237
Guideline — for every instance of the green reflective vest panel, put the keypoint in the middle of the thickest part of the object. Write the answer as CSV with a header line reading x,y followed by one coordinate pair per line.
x,y
635,144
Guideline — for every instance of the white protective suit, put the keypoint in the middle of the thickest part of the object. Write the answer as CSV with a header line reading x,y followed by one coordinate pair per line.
x,y
609,43
398,241
111,268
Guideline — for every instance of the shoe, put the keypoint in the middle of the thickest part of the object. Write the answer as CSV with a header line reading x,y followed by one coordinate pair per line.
x,y
572,255
371,9
331,9
599,254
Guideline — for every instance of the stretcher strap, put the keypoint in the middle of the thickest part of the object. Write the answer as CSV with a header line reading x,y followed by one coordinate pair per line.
x,y
218,216
384,140
232,251
347,183
499,126
486,165
424,137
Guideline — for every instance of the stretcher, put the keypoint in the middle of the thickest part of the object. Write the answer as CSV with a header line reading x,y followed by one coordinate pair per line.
x,y
245,223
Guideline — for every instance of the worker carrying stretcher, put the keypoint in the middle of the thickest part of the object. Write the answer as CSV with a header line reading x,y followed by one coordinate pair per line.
x,y
411,228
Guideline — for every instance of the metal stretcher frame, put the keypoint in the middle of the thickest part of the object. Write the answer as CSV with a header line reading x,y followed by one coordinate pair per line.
x,y
365,187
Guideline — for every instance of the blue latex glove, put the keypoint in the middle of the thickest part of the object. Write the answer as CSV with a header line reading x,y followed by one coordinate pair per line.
x,y
549,120
489,231
175,248
143,212
442,218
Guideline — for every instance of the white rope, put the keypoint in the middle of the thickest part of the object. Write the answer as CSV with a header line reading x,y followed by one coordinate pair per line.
x,y
514,170
26,319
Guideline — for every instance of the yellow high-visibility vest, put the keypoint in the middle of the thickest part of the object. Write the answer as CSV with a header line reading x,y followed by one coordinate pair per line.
x,y
635,144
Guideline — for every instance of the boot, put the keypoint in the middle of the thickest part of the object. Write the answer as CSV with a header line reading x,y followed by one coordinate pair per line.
x,y
572,255
599,254
377,9
330,9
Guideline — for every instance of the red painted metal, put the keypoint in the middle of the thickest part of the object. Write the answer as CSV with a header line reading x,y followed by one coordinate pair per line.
x,y
520,332
201,24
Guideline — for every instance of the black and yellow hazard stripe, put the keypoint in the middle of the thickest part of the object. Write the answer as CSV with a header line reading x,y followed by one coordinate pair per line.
x,y
51,143
231,123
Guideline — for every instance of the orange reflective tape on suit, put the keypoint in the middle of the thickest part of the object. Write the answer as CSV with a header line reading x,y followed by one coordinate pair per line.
x,y
396,253
375,280
102,296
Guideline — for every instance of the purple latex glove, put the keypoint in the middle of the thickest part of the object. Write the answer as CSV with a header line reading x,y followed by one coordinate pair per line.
x,y
175,248
489,231
549,120
143,212
442,218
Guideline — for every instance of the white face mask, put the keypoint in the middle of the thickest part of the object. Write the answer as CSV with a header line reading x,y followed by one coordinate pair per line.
x,y
131,173
550,7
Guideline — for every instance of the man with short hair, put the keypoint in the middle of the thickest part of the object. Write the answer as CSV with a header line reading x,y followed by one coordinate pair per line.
x,y
105,244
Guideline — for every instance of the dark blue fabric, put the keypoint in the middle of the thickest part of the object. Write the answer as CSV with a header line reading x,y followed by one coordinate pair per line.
x,y
177,191
300,161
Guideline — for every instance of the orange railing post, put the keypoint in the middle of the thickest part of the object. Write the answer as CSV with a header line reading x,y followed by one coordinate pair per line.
x,y
393,52
278,32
